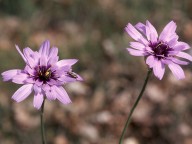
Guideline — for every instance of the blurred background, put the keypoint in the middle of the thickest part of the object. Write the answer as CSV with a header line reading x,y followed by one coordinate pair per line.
x,y
93,32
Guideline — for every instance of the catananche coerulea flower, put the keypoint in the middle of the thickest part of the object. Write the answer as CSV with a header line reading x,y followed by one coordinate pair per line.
x,y
43,74
161,50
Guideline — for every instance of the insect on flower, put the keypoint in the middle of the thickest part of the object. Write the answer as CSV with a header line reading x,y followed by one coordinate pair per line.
x,y
72,74
43,74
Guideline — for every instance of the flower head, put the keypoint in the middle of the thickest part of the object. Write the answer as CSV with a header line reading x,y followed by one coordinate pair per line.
x,y
161,50
43,74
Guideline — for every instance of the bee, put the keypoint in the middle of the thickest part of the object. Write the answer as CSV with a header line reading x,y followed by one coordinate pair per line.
x,y
72,74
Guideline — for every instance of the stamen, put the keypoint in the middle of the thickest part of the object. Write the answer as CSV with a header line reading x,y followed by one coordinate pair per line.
x,y
43,73
48,73
160,49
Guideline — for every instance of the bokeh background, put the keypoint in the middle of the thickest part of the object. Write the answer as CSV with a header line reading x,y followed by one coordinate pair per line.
x,y
93,32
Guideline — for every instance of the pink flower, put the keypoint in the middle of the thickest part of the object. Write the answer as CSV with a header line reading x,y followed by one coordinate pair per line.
x,y
43,74
161,50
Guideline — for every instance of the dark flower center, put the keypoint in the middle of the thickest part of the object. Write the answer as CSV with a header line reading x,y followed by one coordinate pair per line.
x,y
43,73
160,49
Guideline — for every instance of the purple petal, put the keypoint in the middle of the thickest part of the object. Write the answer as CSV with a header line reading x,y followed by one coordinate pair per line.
x,y
37,89
29,70
180,62
21,53
38,82
166,61
79,78
181,46
151,32
158,69
22,93
8,75
173,42
137,45
28,53
44,49
30,80
184,55
53,52
64,69
38,100
36,57
171,37
61,95
66,79
65,62
54,68
50,93
177,71
52,82
136,52
43,60
46,87
172,53
141,27
149,49
168,31
153,37
53,60
150,61
135,34
20,78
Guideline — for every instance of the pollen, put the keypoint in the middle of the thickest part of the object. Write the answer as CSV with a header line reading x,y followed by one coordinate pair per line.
x,y
44,73
47,73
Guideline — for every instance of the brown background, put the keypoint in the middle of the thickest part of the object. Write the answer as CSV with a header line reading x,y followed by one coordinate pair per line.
x,y
93,32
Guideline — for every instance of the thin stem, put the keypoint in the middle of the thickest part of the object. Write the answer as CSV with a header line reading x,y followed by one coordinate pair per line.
x,y
134,106
42,124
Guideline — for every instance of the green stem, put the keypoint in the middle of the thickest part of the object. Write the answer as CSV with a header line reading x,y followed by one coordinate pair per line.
x,y
42,124
134,106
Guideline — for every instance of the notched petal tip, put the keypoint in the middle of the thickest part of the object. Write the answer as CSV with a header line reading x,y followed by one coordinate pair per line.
x,y
180,78
10,74
172,25
135,34
79,78
172,22
141,27
46,41
44,49
128,27
168,31
147,21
